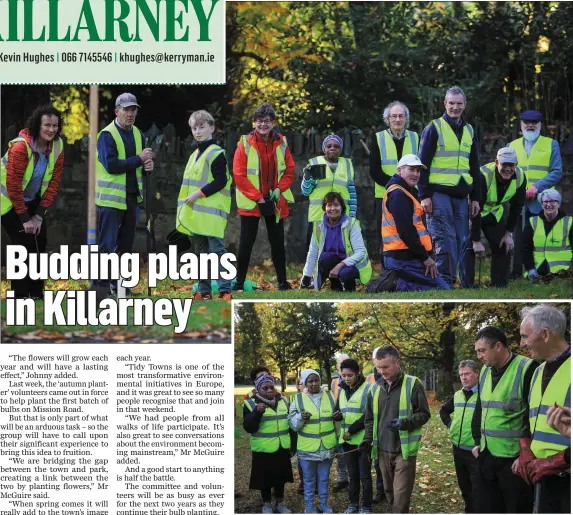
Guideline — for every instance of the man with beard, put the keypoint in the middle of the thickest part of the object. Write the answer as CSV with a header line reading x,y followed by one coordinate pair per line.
x,y
500,420
545,458
502,182
539,157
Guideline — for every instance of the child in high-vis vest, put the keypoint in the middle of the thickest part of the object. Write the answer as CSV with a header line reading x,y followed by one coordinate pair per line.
x,y
265,419
310,416
204,201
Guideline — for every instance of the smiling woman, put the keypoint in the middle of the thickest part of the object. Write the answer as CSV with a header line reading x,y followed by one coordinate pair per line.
x,y
30,175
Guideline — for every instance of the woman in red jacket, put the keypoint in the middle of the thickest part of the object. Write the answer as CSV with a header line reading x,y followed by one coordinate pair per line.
x,y
31,172
263,169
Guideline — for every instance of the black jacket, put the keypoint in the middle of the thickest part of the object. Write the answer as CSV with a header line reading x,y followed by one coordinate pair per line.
x,y
402,209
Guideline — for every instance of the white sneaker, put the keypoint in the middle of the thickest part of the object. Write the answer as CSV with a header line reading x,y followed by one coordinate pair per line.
x,y
267,507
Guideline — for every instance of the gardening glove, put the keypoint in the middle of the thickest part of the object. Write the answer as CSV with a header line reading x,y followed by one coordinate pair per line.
x,y
547,467
305,282
306,173
532,274
526,456
276,195
394,425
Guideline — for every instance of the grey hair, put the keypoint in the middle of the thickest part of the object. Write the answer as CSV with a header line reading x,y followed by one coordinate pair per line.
x,y
390,106
374,352
552,194
546,316
468,363
340,357
456,90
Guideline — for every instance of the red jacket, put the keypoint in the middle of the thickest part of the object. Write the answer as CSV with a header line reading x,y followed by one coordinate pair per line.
x,y
15,170
268,172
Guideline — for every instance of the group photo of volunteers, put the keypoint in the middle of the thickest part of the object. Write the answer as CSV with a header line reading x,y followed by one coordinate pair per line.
x,y
349,409
438,205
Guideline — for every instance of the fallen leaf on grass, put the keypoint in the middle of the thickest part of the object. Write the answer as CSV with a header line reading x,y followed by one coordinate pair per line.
x,y
202,309
226,311
190,334
50,335
34,335
112,335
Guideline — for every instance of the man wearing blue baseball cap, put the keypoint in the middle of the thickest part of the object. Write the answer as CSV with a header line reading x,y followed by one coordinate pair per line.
x,y
539,157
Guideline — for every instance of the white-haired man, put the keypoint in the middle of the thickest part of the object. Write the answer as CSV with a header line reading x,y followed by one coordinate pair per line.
x,y
545,458
540,159
386,148
449,151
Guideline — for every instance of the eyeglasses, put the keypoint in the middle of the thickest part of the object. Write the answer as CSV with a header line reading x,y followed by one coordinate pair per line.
x,y
550,202
264,122
396,116
530,122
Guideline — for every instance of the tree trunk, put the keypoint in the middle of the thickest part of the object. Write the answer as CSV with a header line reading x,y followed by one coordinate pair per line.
x,y
283,378
445,387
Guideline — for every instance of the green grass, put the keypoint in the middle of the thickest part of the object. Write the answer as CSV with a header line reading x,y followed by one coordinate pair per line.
x,y
435,491
264,276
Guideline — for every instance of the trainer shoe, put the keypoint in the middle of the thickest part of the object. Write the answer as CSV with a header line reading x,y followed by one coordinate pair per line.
x,y
267,507
353,508
325,508
202,296
310,509
364,509
281,508
238,286
225,296
285,286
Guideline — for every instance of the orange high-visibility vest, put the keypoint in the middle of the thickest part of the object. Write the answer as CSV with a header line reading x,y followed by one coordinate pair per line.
x,y
390,238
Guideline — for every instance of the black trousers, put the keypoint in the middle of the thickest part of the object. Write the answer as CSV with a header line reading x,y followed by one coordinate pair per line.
x,y
500,490
13,226
500,259
276,235
466,468
555,494
359,471
517,270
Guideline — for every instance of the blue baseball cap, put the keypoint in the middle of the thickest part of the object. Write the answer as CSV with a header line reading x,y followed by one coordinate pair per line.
x,y
531,116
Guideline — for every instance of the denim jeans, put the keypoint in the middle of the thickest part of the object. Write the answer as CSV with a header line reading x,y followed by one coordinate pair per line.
x,y
449,225
313,472
205,245
411,275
